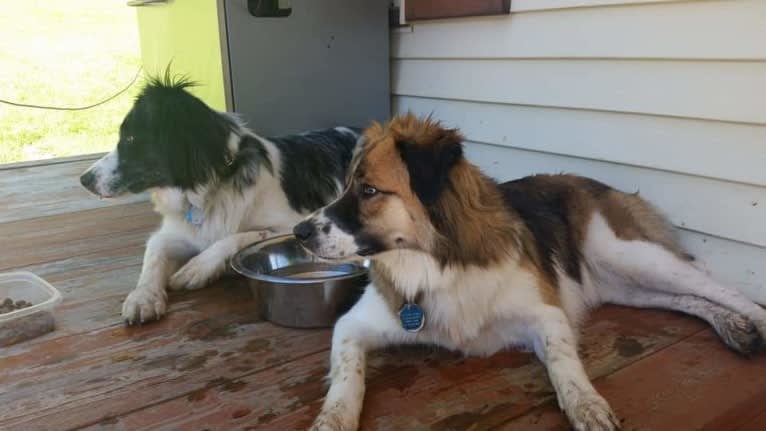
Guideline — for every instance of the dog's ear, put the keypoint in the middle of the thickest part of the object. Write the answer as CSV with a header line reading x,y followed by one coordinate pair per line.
x,y
197,139
429,165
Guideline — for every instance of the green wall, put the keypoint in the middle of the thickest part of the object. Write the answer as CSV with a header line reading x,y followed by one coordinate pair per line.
x,y
186,32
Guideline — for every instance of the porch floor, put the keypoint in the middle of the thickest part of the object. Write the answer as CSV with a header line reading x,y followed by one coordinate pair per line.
x,y
212,364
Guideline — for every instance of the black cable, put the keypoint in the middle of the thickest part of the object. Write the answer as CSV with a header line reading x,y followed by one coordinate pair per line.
x,y
79,108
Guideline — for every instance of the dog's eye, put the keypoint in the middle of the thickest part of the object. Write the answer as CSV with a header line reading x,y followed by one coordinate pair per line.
x,y
369,190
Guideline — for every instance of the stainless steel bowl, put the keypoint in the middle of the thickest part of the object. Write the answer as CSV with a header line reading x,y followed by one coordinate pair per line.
x,y
296,289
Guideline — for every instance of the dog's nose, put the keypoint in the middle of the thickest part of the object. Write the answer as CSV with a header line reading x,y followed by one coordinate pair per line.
x,y
304,230
87,180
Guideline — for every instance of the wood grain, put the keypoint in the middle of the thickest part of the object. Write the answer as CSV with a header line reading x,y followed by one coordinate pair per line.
x,y
757,424
419,388
40,190
695,384
63,236
216,337
50,162
212,363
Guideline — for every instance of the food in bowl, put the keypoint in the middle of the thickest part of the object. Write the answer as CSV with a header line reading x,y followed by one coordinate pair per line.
x,y
7,305
26,309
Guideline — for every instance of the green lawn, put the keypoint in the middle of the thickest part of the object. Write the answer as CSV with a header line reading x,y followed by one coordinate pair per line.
x,y
64,53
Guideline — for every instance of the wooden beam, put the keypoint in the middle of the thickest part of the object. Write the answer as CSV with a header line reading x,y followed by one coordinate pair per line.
x,y
436,9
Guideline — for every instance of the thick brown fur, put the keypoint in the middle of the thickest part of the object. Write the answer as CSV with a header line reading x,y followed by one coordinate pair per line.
x,y
476,221
469,221
492,265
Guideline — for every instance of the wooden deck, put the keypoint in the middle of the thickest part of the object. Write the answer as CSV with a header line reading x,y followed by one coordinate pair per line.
x,y
212,364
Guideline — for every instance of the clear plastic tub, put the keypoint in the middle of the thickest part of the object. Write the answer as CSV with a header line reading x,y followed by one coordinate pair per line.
x,y
32,321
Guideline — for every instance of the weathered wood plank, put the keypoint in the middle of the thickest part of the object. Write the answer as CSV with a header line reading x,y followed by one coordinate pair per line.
x,y
69,274
49,162
93,301
93,287
94,274
694,384
76,381
36,191
266,396
743,415
64,236
212,363
418,388
757,424
474,391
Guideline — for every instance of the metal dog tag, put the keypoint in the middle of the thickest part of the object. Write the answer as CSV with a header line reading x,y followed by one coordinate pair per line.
x,y
412,317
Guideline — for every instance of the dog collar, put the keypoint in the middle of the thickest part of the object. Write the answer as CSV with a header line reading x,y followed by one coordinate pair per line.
x,y
194,215
411,316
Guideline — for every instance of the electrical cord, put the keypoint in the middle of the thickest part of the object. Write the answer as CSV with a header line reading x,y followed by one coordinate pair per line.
x,y
76,108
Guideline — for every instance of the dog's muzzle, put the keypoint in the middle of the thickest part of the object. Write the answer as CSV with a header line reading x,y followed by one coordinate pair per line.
x,y
304,231
88,180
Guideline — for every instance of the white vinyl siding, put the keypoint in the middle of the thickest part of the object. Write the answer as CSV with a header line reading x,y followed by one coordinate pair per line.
x,y
665,97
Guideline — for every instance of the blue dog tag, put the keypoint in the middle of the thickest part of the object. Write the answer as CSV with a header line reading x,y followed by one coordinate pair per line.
x,y
412,317
194,215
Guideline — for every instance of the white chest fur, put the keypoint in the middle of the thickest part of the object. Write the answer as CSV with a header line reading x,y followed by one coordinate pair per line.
x,y
474,309
225,211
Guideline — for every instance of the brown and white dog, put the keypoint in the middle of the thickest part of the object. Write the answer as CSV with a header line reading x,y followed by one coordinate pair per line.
x,y
499,265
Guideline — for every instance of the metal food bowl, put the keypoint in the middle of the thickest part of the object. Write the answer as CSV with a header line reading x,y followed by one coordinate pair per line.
x,y
296,289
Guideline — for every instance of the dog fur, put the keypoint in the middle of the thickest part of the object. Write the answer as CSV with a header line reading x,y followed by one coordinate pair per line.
x,y
218,186
499,265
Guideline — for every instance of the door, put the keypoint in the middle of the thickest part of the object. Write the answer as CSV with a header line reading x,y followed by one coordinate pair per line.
x,y
325,63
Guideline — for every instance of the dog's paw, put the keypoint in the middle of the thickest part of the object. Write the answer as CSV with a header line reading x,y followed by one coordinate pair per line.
x,y
198,272
592,413
738,332
323,426
333,420
144,305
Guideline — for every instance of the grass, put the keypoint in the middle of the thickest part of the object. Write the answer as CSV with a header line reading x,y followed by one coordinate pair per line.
x,y
64,53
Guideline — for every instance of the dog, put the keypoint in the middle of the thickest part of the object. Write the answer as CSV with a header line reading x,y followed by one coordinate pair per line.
x,y
463,262
218,186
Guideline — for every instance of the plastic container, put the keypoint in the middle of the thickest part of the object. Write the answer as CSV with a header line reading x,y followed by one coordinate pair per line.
x,y
32,321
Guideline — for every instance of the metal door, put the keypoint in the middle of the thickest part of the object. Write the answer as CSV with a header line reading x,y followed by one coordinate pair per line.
x,y
325,64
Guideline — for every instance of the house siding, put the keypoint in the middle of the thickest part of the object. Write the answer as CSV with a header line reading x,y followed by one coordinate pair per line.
x,y
664,97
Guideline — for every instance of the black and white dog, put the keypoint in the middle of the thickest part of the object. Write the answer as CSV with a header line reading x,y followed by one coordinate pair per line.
x,y
218,186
